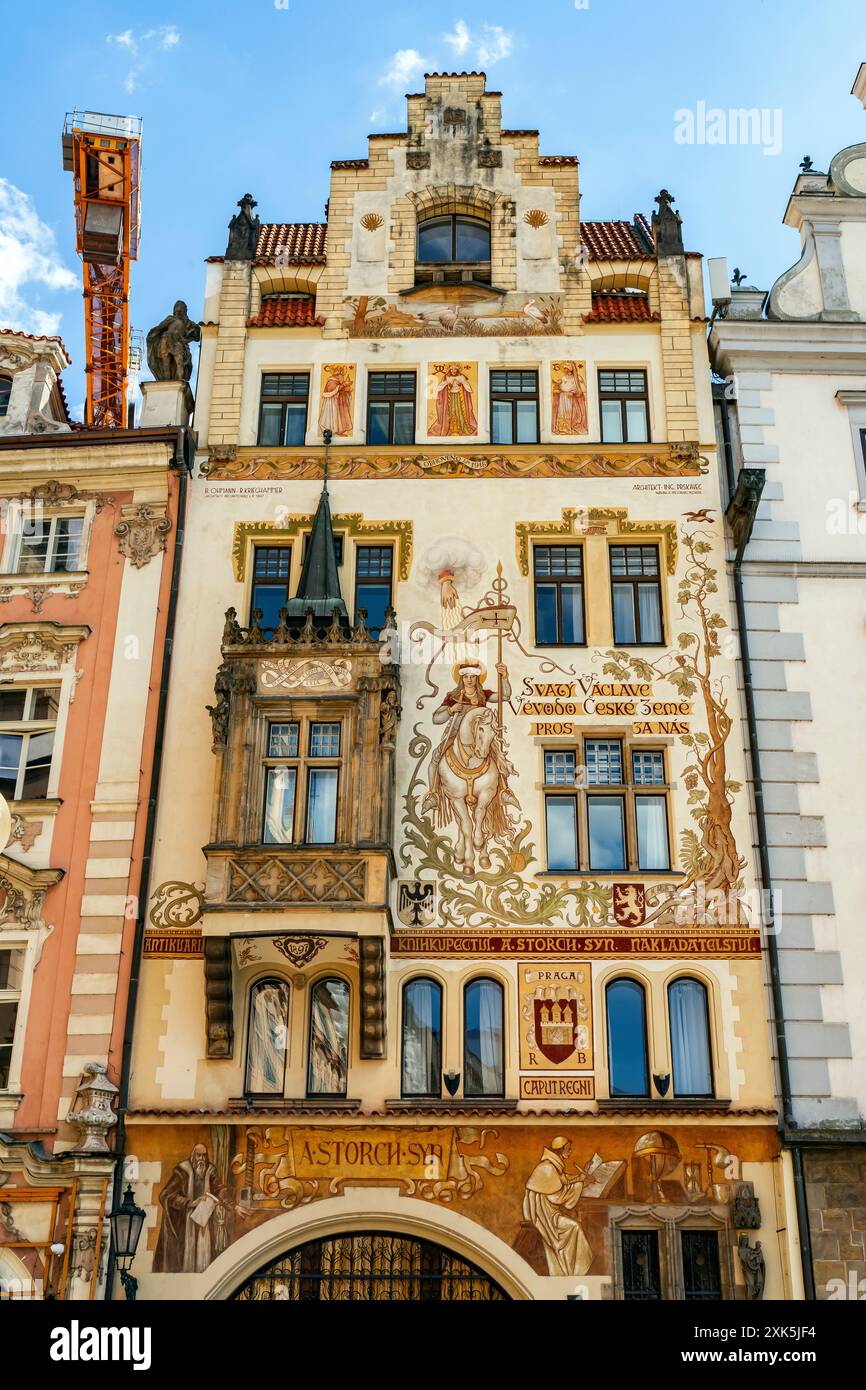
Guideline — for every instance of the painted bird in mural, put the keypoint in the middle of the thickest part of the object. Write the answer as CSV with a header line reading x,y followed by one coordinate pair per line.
x,y
705,514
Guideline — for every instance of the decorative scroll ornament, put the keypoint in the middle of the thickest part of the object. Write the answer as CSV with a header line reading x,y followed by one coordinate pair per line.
x,y
142,532
308,674
176,904
300,950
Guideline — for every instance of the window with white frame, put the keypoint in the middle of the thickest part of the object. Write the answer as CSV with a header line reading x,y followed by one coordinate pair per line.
x,y
11,984
46,543
28,722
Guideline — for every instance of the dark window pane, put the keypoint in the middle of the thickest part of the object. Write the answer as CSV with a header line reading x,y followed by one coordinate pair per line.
x,y
626,1039
571,598
8,1013
283,741
67,542
271,422
404,423
328,1071
652,832
45,703
36,773
546,628
268,1038
422,1039
11,704
641,1276
296,425
270,598
324,741
561,814
483,1047
280,785
624,629
322,806
378,419
11,969
527,422
436,240
473,240
10,761
33,553
606,833
375,561
702,1275
5,393
376,599
690,1038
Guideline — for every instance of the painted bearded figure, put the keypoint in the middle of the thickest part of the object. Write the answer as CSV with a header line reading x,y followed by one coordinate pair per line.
x,y
469,770
195,1209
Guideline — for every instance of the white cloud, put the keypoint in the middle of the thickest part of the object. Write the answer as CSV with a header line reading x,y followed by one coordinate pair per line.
x,y
28,258
405,65
489,47
142,49
496,45
461,39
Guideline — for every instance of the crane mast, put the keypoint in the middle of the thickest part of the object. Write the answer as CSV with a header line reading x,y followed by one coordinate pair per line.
x,y
104,154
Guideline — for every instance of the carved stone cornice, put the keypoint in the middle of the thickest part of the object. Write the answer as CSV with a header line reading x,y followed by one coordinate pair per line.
x,y
39,646
143,533
22,893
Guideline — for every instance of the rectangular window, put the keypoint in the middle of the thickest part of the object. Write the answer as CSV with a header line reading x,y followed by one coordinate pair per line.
x,y
283,412
300,793
270,593
559,596
606,833
49,545
641,1270
625,830
702,1274
561,814
637,598
374,565
28,718
623,406
391,408
514,407
11,975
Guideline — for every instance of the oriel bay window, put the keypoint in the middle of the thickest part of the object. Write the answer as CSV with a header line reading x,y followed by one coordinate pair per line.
x,y
601,813
28,717
558,576
283,410
391,408
483,1039
421,1073
637,599
302,779
328,1050
514,407
623,405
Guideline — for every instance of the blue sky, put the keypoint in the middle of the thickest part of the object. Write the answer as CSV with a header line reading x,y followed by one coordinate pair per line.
x,y
260,96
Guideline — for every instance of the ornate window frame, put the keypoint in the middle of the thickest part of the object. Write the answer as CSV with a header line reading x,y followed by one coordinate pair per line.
x,y
50,500
855,404
23,928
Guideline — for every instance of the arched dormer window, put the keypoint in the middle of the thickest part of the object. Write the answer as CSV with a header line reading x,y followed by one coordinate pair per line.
x,y
267,1039
5,393
328,1065
453,247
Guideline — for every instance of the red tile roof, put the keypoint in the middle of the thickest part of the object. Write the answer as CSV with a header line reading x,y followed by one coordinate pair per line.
x,y
618,241
278,311
40,338
558,159
300,243
620,308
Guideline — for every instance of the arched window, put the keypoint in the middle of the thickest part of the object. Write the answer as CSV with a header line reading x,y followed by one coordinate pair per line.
x,y
267,1038
626,1039
483,1039
453,239
5,393
690,1038
328,1069
422,1039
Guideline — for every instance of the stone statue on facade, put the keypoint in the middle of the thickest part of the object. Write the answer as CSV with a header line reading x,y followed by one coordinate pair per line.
x,y
754,1268
244,231
168,354
667,227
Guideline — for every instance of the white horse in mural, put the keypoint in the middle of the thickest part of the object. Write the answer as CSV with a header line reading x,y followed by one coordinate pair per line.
x,y
470,788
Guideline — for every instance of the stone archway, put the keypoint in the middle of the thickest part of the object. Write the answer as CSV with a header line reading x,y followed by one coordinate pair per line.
x,y
370,1267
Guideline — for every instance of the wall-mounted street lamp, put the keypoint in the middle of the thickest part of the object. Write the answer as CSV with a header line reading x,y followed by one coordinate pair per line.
x,y
126,1222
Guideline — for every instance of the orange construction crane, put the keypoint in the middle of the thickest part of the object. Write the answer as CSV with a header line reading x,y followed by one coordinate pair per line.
x,y
104,154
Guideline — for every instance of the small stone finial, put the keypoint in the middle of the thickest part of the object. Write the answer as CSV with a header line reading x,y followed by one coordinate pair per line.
x,y
738,276
92,1111
667,227
168,354
806,164
244,231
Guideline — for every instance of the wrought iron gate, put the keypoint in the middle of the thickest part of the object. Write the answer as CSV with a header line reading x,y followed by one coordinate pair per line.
x,y
370,1267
